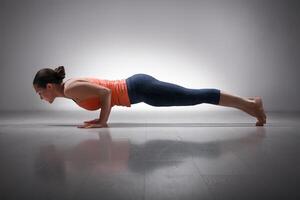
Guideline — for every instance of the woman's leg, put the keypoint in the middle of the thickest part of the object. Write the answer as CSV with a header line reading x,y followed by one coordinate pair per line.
x,y
147,89
252,106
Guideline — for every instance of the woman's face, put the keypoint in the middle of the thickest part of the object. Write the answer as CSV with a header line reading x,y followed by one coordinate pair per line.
x,y
47,93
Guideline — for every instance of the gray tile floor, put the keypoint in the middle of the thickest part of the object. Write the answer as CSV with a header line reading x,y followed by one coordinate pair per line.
x,y
149,155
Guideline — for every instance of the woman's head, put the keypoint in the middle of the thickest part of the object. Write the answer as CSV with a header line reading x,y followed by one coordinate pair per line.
x,y
47,82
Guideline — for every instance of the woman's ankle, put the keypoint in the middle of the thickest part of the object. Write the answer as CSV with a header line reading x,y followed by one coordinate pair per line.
x,y
248,106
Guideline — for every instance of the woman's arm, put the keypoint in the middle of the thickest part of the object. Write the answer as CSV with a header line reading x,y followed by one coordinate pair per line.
x,y
105,108
83,90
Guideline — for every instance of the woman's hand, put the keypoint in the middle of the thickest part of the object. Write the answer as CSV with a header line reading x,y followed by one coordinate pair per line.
x,y
95,125
94,121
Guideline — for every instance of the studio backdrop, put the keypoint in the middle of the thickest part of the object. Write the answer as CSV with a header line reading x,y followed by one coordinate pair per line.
x,y
245,47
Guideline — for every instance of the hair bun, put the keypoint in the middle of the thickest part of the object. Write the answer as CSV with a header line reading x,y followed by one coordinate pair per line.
x,y
60,72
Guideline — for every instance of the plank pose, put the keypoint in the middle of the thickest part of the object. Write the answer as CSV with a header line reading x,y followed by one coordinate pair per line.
x,y
93,93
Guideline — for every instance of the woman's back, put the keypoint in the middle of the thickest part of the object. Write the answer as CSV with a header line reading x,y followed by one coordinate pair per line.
x,y
118,88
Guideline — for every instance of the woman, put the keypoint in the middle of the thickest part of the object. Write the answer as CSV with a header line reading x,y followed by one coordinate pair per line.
x,y
94,93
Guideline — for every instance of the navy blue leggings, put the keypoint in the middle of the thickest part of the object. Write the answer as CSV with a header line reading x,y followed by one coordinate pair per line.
x,y
147,89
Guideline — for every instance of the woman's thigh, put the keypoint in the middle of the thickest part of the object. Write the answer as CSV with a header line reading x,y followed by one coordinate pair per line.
x,y
147,89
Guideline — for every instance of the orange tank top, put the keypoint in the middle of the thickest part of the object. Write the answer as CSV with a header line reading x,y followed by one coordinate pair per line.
x,y
119,94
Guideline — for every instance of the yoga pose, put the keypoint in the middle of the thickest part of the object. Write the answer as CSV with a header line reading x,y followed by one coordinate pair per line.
x,y
93,93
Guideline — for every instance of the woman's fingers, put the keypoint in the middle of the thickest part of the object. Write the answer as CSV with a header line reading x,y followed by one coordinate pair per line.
x,y
91,126
85,126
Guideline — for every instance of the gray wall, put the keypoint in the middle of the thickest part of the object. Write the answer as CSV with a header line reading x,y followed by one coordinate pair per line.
x,y
247,48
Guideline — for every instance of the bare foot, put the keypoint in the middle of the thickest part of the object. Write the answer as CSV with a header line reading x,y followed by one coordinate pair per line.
x,y
258,111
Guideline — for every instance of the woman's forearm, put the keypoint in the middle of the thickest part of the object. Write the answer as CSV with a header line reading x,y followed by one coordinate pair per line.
x,y
105,108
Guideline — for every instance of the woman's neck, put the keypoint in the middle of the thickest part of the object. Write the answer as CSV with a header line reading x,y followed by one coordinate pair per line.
x,y
60,91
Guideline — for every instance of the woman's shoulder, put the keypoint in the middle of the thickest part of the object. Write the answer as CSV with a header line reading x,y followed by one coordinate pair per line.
x,y
71,81
74,80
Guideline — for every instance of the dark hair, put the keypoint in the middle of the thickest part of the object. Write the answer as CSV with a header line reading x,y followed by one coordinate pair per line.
x,y
48,75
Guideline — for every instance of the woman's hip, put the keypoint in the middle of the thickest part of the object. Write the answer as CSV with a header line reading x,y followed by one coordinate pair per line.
x,y
137,83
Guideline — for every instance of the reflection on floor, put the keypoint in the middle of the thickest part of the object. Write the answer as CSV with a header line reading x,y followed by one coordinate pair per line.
x,y
149,155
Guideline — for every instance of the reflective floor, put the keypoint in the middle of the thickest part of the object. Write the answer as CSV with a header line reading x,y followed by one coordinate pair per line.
x,y
149,155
